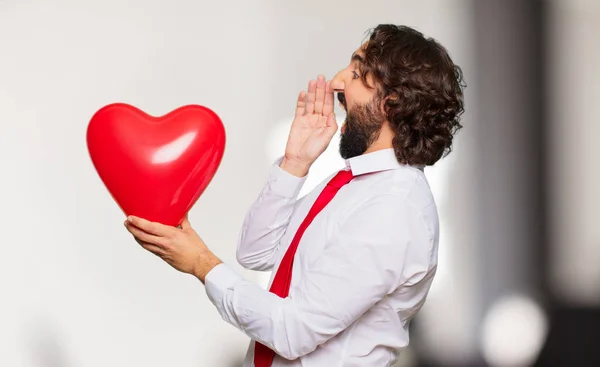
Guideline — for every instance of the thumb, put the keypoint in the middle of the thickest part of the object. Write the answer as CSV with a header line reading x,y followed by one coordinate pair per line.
x,y
185,224
332,125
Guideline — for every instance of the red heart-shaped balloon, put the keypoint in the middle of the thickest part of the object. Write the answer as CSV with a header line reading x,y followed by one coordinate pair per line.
x,y
156,167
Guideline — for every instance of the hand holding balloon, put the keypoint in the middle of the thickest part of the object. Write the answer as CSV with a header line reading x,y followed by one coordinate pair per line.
x,y
181,248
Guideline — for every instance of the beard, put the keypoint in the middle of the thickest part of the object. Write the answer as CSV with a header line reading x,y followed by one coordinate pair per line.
x,y
363,125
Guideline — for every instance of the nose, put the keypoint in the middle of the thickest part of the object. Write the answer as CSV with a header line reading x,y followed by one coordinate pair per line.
x,y
337,83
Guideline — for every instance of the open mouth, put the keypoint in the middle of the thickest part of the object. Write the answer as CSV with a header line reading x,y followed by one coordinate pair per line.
x,y
342,98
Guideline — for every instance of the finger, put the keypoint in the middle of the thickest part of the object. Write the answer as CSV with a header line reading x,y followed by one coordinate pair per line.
x,y
301,104
154,228
331,127
152,248
145,236
320,95
328,106
185,224
312,95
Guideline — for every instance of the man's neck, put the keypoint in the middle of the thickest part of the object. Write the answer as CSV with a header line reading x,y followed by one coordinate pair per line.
x,y
384,141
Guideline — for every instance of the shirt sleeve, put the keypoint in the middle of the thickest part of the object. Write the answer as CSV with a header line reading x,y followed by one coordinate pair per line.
x,y
267,219
382,245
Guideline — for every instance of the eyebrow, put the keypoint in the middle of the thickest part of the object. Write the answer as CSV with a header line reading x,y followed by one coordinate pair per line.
x,y
357,57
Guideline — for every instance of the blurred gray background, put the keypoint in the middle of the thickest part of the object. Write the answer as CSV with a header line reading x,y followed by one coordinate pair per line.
x,y
518,281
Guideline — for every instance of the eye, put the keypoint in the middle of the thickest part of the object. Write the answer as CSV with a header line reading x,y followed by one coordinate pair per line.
x,y
355,75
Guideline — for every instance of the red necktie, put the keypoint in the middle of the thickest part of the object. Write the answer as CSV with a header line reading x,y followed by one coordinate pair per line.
x,y
263,356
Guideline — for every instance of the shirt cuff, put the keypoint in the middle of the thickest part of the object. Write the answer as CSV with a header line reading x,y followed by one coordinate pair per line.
x,y
218,281
283,183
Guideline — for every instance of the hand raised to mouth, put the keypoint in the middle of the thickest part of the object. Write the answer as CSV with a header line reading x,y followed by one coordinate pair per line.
x,y
313,127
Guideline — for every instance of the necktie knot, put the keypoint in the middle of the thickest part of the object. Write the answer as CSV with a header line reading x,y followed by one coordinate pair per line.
x,y
341,178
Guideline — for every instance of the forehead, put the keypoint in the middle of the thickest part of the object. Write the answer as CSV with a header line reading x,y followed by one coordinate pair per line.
x,y
359,54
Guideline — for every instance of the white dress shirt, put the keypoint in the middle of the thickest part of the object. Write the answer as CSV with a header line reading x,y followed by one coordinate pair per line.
x,y
361,271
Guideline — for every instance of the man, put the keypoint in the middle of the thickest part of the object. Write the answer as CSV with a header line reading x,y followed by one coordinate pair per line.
x,y
354,259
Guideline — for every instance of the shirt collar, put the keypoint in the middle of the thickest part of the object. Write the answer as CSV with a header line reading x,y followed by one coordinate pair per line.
x,y
381,160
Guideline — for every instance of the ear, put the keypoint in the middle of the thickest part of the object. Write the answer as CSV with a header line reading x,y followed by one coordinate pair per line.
x,y
384,101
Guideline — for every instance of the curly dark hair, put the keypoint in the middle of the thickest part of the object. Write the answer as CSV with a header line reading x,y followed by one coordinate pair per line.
x,y
422,90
